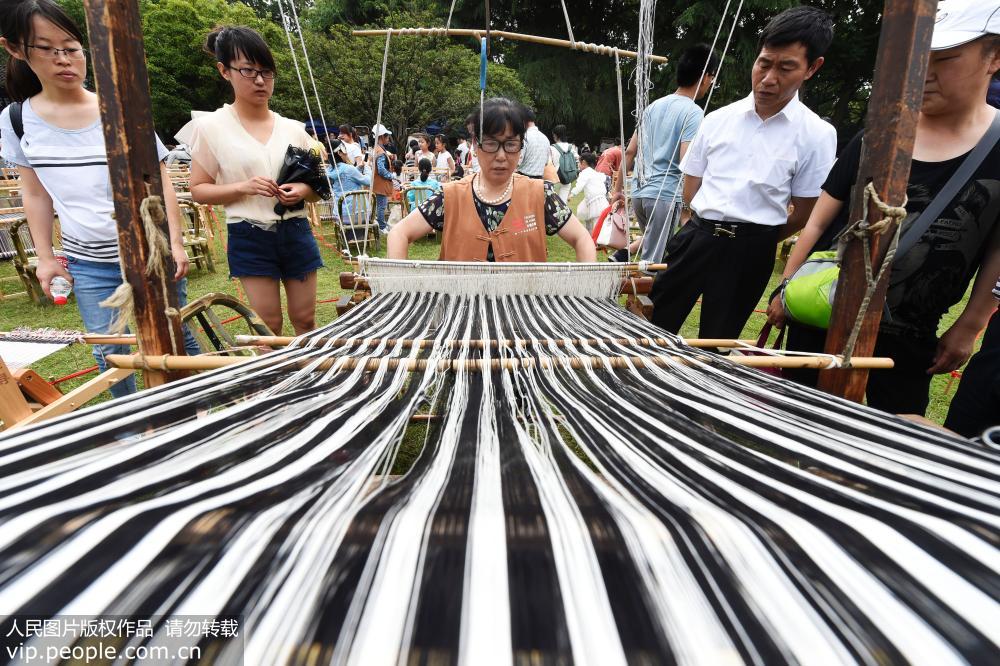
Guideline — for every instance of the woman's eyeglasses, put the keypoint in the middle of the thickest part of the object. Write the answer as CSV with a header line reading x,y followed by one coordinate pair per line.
x,y
52,53
509,146
251,73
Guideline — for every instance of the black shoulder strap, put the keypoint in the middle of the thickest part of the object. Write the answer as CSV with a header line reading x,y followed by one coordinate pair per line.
x,y
16,121
951,188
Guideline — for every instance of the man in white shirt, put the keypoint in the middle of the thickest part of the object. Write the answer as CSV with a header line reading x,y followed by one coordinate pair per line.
x,y
749,161
535,154
561,146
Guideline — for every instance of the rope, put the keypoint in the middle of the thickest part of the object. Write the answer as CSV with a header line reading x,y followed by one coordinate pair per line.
x,y
378,121
569,26
447,26
642,140
305,97
864,231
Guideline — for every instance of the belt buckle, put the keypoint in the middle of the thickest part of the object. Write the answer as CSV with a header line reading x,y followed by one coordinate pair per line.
x,y
720,231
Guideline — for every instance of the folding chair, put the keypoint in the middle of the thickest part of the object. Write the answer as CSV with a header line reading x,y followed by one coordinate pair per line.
x,y
357,222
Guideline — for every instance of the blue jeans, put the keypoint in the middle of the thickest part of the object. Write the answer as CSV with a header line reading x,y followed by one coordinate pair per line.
x,y
93,282
381,202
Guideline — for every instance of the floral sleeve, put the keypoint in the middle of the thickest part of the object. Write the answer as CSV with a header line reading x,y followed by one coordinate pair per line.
x,y
433,211
557,213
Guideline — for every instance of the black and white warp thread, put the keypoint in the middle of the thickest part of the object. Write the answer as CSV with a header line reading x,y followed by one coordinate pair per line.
x,y
694,513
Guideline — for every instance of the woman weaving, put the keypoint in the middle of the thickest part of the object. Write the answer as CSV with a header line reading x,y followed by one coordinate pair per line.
x,y
495,215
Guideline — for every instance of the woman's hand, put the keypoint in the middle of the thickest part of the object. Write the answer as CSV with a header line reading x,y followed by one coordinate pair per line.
x,y
776,312
48,269
291,194
259,186
180,260
953,349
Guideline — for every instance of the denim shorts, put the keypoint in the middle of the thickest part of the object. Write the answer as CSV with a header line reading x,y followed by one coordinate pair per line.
x,y
289,251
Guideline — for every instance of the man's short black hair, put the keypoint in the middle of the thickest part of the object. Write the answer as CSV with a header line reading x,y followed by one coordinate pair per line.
x,y
589,158
560,133
527,112
810,26
695,60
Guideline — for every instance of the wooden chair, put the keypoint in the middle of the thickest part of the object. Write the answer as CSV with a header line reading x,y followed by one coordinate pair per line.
x,y
25,263
323,217
357,220
210,330
196,241
420,194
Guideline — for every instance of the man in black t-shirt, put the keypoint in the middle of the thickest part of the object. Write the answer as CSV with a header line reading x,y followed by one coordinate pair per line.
x,y
935,274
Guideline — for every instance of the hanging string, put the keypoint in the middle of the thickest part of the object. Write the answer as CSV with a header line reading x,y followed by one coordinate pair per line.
x,y
569,26
447,26
643,82
643,140
305,98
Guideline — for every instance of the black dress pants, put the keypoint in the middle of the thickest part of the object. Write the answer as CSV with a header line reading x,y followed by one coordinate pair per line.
x,y
729,272
903,389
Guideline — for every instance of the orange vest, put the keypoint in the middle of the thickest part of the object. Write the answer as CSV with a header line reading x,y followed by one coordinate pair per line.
x,y
379,184
520,236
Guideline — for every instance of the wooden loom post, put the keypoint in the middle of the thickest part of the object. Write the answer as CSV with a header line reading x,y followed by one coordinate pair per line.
x,y
123,89
890,129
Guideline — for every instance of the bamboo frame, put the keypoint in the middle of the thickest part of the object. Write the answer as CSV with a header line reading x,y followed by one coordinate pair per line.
x,y
168,362
515,36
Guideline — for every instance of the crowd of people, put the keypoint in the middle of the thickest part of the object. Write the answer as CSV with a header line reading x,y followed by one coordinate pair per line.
x,y
713,194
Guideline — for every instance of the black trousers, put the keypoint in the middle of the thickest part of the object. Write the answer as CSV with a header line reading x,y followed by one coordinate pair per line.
x,y
730,273
976,406
901,390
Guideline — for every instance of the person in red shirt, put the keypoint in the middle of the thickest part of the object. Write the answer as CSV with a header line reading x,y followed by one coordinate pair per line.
x,y
611,160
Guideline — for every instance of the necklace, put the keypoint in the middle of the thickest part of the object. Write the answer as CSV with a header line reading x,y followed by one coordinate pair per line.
x,y
493,202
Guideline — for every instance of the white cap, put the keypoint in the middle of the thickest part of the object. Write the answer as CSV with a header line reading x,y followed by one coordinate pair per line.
x,y
962,21
380,130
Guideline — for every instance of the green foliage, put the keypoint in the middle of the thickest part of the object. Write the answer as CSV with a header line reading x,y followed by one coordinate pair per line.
x,y
184,77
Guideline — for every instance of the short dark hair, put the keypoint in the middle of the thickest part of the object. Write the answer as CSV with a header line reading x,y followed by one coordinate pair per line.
x,y
498,113
693,62
227,43
527,112
560,132
810,26
589,158
16,24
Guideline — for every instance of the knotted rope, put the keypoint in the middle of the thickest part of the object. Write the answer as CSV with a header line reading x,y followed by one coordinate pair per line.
x,y
865,231
123,300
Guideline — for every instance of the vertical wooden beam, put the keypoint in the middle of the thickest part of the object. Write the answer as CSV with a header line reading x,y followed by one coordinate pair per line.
x,y
890,129
116,45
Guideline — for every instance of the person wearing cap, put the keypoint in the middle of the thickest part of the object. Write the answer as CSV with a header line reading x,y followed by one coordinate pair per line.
x,y
747,163
382,177
935,273
497,214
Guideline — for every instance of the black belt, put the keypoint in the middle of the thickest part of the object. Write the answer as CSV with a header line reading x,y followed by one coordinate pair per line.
x,y
731,229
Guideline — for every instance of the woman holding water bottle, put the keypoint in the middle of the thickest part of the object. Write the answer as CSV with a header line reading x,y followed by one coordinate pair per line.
x,y
53,134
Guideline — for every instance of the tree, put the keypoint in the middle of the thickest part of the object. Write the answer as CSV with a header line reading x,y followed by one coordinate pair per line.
x,y
427,80
183,77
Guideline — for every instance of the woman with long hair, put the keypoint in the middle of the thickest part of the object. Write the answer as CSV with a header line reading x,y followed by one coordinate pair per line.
x,y
425,179
236,155
53,134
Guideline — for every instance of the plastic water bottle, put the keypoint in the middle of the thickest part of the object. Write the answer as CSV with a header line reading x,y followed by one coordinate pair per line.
x,y
60,289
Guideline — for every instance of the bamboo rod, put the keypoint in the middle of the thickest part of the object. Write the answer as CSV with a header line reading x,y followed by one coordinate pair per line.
x,y
86,338
285,340
515,36
168,362
630,285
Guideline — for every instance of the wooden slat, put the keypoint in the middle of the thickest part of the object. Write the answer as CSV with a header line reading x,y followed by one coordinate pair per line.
x,y
13,407
79,396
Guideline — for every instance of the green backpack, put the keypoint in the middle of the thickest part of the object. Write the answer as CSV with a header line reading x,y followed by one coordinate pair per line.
x,y
808,296
569,168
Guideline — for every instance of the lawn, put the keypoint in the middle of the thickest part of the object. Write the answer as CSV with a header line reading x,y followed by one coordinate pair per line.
x,y
22,312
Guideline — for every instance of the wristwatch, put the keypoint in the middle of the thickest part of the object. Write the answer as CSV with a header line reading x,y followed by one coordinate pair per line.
x,y
777,290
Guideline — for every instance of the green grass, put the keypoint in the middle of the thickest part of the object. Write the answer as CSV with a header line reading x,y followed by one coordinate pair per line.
x,y
21,311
